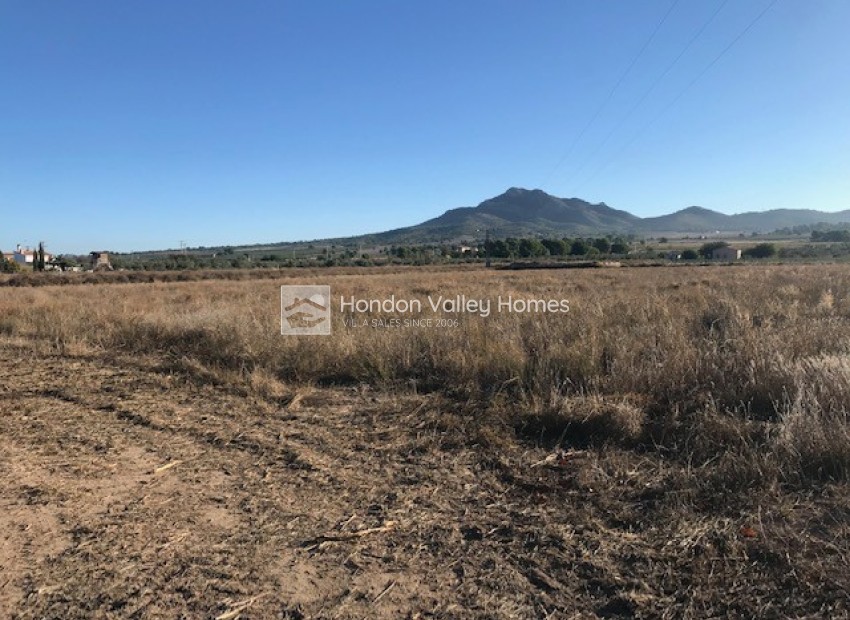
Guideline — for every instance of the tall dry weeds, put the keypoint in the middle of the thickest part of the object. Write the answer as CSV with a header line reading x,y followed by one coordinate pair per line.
x,y
746,366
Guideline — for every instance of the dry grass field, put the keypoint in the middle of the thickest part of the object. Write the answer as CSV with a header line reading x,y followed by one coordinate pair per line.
x,y
677,445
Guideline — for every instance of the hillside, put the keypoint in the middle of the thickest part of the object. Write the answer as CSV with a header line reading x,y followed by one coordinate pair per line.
x,y
523,212
698,219
517,212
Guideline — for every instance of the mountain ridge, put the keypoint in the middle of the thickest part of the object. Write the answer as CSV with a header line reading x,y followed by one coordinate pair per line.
x,y
533,212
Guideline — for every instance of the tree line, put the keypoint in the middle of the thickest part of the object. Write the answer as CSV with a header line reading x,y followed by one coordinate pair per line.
x,y
513,247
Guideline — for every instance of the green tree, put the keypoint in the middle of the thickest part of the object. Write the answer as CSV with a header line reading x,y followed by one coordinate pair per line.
x,y
619,246
690,255
529,248
579,247
831,235
7,266
38,258
401,251
602,244
762,250
556,247
707,249
498,249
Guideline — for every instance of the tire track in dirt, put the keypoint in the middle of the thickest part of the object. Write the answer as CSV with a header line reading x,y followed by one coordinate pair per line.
x,y
132,492
160,496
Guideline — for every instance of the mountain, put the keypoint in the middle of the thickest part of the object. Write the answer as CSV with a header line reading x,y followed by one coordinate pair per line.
x,y
692,219
699,220
766,221
522,212
517,212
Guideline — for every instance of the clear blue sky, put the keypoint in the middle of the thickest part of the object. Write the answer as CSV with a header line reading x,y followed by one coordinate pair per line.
x,y
137,124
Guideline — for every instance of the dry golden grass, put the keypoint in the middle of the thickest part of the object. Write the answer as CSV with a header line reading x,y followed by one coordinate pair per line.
x,y
645,355
692,423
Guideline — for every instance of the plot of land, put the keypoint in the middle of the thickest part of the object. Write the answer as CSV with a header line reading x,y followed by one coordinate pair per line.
x,y
135,489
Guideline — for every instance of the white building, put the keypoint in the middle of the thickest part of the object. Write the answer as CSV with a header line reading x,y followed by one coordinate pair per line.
x,y
27,256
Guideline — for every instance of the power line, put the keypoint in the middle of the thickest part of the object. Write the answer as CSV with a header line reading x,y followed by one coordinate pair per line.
x,y
607,99
651,88
682,93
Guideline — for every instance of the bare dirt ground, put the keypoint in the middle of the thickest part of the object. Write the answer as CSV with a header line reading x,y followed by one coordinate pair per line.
x,y
130,491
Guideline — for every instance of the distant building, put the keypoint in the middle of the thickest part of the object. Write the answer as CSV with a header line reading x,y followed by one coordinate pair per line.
x,y
673,255
100,261
57,264
726,253
465,249
27,256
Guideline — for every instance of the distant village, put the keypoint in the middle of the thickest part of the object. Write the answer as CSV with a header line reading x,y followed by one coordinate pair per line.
x,y
39,259
816,245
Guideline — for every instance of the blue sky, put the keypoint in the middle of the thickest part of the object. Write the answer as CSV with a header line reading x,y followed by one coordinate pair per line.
x,y
134,125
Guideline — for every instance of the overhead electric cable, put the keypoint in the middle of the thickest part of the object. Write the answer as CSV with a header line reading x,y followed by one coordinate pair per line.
x,y
649,90
682,93
613,90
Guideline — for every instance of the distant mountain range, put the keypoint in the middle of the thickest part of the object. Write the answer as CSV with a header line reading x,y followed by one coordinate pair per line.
x,y
527,213
522,212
